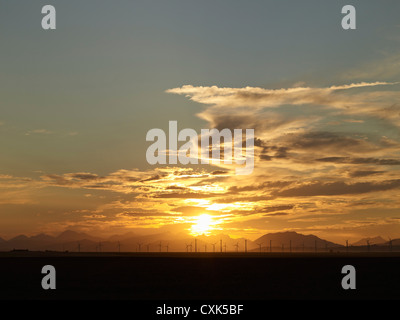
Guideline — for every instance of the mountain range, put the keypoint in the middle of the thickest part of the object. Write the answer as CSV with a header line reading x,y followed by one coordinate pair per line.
x,y
73,241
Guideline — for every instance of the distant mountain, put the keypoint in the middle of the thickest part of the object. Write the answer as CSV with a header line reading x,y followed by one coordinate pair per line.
x,y
19,238
164,241
296,240
372,241
42,237
2,240
119,237
70,235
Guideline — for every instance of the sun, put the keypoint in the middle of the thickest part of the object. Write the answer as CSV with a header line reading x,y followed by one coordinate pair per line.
x,y
202,225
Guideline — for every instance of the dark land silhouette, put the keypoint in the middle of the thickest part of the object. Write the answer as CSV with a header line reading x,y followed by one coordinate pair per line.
x,y
205,276
72,241
283,265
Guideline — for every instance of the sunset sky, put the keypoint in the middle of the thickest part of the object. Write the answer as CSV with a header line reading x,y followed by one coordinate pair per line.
x,y
76,104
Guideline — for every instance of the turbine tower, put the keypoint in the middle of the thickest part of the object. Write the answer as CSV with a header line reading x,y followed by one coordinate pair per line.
x,y
347,245
213,244
140,246
119,246
368,246
245,245
259,244
390,245
270,245
220,245
237,246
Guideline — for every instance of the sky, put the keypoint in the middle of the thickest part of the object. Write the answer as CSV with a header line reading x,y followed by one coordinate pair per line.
x,y
77,102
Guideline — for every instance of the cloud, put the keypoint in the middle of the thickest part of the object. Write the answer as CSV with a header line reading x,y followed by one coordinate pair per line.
x,y
38,131
348,160
257,97
364,173
350,99
337,188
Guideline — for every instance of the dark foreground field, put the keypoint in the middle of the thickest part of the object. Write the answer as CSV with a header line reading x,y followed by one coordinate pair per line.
x,y
178,276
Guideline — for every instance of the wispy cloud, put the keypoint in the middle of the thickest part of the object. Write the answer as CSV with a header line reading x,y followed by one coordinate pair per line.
x,y
38,131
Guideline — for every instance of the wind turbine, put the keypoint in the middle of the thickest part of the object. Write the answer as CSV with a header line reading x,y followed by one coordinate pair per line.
x,y
368,246
259,244
220,245
213,244
160,246
119,246
347,245
270,245
390,245
140,246
245,245
167,246
225,246
237,246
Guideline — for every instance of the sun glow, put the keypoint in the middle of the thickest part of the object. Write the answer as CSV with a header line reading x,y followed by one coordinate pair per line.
x,y
203,224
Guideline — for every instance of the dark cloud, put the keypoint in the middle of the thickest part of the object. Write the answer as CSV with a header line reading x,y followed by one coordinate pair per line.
x,y
318,140
219,172
56,179
281,213
277,208
152,178
84,176
364,173
337,188
348,160
264,185
175,188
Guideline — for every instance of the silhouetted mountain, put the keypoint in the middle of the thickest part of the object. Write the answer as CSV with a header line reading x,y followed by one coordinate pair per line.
x,y
372,241
70,235
119,237
42,237
131,242
21,237
296,240
2,240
